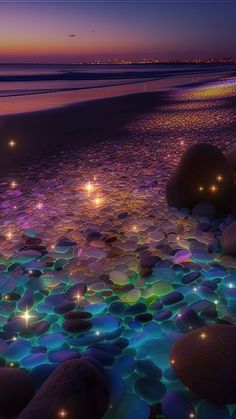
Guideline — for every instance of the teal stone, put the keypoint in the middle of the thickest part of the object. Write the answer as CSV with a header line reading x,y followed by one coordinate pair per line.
x,y
125,365
131,407
53,340
18,349
96,308
106,323
33,360
150,389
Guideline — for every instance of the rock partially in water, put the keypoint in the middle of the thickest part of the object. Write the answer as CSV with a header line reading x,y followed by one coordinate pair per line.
x,y
203,176
76,387
228,239
205,361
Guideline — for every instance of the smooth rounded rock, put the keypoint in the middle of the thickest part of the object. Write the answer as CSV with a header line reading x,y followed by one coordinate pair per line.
x,y
197,175
75,386
16,391
205,361
228,239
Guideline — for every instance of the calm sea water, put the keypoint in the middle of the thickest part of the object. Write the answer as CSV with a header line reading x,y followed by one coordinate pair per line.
x,y
34,87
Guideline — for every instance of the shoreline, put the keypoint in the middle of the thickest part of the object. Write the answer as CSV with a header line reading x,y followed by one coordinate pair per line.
x,y
37,102
40,134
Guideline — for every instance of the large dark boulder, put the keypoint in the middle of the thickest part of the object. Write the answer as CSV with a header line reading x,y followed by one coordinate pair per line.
x,y
205,361
203,176
76,387
16,390
228,239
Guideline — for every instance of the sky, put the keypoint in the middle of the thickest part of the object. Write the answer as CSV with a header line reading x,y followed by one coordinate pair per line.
x,y
70,31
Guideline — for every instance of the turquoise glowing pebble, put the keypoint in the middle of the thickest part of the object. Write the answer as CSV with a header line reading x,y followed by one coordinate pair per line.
x,y
131,407
150,389
161,288
125,365
96,308
163,273
51,341
17,350
106,323
158,350
50,280
153,329
34,359
22,280
138,339
44,308
118,278
213,273
132,296
6,308
30,233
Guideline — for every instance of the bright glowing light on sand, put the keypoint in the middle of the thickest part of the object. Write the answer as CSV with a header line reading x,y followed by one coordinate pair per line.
x,y
13,184
62,413
12,143
9,235
97,201
89,187
213,188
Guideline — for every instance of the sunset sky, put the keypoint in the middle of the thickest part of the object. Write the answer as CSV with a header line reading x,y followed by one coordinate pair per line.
x,y
41,31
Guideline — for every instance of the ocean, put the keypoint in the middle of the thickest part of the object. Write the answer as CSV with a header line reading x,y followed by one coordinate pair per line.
x,y
32,87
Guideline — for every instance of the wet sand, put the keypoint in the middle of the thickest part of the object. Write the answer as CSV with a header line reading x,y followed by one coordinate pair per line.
x,y
39,134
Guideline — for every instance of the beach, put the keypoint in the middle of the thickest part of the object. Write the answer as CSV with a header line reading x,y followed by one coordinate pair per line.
x,y
42,124
94,265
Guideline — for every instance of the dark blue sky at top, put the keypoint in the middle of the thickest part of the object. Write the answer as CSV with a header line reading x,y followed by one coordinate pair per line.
x,y
130,29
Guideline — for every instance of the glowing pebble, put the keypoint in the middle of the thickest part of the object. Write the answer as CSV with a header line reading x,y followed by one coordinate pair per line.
x,y
182,256
118,278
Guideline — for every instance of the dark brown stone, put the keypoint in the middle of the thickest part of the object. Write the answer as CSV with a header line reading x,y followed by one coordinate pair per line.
x,y
205,361
75,387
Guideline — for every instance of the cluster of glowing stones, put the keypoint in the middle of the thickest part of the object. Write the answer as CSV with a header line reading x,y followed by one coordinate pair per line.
x,y
109,284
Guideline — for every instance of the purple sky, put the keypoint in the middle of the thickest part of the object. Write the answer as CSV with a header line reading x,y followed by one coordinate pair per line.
x,y
39,31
